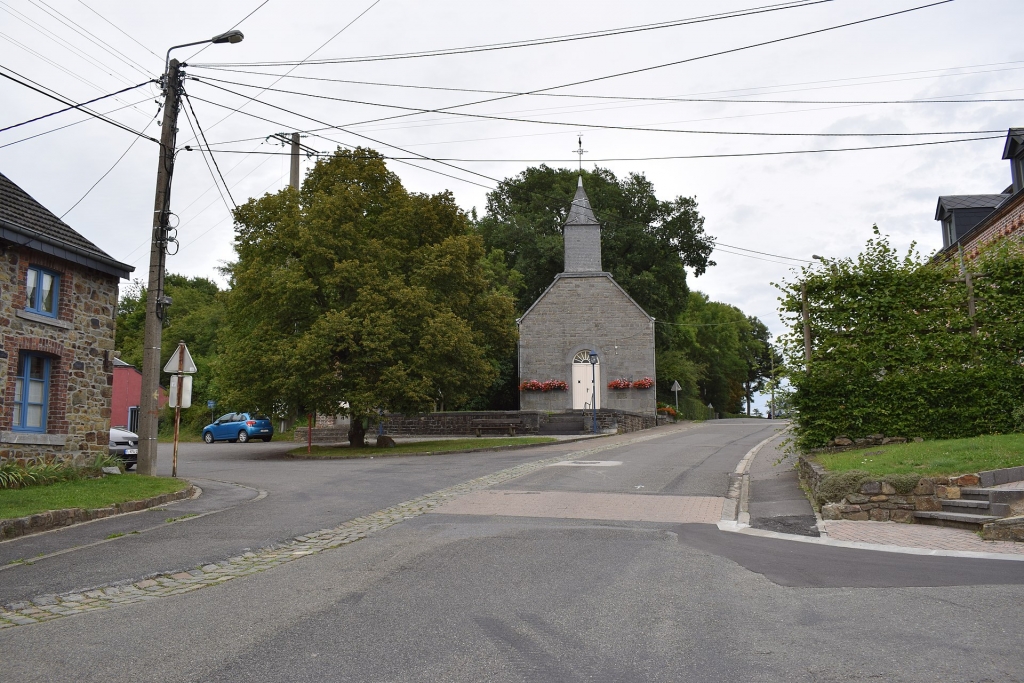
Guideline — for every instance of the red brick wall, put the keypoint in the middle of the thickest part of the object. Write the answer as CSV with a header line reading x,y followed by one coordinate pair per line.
x,y
1011,222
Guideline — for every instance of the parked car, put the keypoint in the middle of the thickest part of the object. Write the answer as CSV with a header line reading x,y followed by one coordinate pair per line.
x,y
241,427
125,445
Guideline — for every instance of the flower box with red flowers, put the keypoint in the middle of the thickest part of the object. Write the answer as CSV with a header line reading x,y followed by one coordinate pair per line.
x,y
645,383
619,384
554,385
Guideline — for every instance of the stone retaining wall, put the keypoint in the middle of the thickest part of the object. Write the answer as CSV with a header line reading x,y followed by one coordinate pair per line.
x,y
44,521
461,424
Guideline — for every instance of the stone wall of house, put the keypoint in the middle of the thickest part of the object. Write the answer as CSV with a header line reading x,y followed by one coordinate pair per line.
x,y
587,311
80,345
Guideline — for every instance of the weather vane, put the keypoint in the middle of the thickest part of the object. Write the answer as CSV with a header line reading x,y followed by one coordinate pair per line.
x,y
581,152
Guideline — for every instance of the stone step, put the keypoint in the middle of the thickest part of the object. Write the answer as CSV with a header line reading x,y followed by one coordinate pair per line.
x,y
974,506
959,520
992,495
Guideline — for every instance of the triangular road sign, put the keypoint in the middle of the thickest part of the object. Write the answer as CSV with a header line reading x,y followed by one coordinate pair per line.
x,y
676,387
188,366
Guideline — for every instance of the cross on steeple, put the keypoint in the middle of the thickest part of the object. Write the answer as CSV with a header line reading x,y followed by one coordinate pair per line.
x,y
581,152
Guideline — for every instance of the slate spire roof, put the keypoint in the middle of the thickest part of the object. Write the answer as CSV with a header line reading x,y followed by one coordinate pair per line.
x,y
580,212
25,221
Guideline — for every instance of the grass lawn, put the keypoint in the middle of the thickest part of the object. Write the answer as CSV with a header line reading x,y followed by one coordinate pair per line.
x,y
951,456
85,493
440,446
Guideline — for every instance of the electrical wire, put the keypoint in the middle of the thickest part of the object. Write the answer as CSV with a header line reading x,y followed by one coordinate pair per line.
x,y
208,150
210,168
93,187
122,31
61,111
67,100
535,41
575,124
763,253
673,63
343,28
237,24
54,130
91,37
627,98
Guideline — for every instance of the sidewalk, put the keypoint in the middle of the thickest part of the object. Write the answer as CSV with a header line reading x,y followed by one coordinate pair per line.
x,y
780,508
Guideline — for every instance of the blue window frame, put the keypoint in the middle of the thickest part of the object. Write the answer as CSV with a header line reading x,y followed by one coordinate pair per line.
x,y
31,393
41,290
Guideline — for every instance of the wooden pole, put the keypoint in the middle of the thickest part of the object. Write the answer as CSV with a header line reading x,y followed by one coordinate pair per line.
x,y
177,405
970,303
309,434
807,325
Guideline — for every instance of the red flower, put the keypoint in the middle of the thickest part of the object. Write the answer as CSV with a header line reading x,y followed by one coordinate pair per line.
x,y
645,383
619,384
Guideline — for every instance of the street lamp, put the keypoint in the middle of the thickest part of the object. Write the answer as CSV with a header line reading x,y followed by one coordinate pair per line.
x,y
156,302
593,382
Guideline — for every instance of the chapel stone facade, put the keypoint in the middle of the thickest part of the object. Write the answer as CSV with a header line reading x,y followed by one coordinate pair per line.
x,y
585,312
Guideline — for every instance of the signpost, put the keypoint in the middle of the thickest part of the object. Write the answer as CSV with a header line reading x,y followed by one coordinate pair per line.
x,y
183,367
211,404
675,389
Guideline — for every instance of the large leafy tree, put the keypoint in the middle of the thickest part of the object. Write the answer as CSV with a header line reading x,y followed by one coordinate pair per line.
x,y
646,243
354,290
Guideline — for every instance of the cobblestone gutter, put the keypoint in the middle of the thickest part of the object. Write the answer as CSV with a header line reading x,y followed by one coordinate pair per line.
x,y
49,607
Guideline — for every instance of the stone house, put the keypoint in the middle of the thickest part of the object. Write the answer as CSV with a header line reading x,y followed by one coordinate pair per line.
x,y
58,299
583,313
971,221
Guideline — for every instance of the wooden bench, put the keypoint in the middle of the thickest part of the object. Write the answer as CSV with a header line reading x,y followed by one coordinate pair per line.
x,y
510,426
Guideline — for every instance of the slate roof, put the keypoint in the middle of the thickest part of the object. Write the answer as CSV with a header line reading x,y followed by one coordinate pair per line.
x,y
1014,142
580,212
968,201
25,221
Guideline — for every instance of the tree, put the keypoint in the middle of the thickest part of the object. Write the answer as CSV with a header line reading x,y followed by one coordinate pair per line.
x,y
646,243
195,316
760,355
354,290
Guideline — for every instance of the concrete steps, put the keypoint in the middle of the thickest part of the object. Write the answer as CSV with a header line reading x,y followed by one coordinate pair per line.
x,y
975,508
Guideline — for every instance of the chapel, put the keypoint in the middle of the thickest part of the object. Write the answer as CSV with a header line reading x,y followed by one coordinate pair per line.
x,y
584,314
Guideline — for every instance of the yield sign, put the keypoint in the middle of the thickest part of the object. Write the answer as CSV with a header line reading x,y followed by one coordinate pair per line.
x,y
182,359
675,387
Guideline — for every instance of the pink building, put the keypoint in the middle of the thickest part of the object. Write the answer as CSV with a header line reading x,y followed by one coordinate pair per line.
x,y
127,392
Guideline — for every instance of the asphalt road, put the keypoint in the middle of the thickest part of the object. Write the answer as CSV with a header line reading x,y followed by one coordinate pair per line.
x,y
477,596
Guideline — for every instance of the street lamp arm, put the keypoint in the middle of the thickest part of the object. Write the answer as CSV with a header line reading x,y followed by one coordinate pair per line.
x,y
233,36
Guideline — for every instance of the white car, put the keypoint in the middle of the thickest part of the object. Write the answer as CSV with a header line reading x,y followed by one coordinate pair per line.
x,y
125,445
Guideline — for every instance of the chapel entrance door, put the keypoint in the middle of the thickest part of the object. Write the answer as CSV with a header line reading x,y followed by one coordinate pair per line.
x,y
586,382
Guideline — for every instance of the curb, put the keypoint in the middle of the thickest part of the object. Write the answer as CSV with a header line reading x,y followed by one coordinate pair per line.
x,y
494,449
53,519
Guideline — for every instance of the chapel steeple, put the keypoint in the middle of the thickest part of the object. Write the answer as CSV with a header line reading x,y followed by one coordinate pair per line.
x,y
582,236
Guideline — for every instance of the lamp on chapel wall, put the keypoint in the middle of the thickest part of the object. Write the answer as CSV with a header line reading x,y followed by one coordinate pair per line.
x,y
593,383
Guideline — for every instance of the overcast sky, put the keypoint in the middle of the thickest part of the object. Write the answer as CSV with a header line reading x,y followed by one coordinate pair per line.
x,y
790,205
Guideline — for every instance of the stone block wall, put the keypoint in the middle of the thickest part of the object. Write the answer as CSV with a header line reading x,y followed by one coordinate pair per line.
x,y
587,311
80,345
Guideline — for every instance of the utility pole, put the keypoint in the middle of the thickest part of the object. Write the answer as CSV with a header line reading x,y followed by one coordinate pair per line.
x,y
156,302
294,180
807,326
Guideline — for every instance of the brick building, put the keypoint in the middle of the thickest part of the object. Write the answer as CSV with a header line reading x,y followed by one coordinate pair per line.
x,y
971,221
585,311
58,297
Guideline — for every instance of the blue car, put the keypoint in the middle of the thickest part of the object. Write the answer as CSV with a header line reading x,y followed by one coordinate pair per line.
x,y
241,427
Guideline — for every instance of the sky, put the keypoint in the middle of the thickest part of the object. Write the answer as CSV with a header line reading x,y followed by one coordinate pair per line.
x,y
785,205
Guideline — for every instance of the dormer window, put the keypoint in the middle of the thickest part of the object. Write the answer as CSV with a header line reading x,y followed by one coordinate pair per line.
x,y
41,288
949,230
1018,173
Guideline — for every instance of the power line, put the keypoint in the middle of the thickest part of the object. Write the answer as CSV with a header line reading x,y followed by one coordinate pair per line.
x,y
535,41
673,63
113,166
122,32
91,37
343,28
763,253
208,150
61,111
237,24
575,124
67,100
54,130
210,168
624,98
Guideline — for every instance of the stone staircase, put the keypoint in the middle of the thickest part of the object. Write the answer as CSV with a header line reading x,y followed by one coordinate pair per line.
x,y
975,508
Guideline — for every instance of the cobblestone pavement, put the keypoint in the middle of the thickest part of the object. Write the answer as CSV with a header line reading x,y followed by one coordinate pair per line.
x,y
917,536
576,505
49,607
